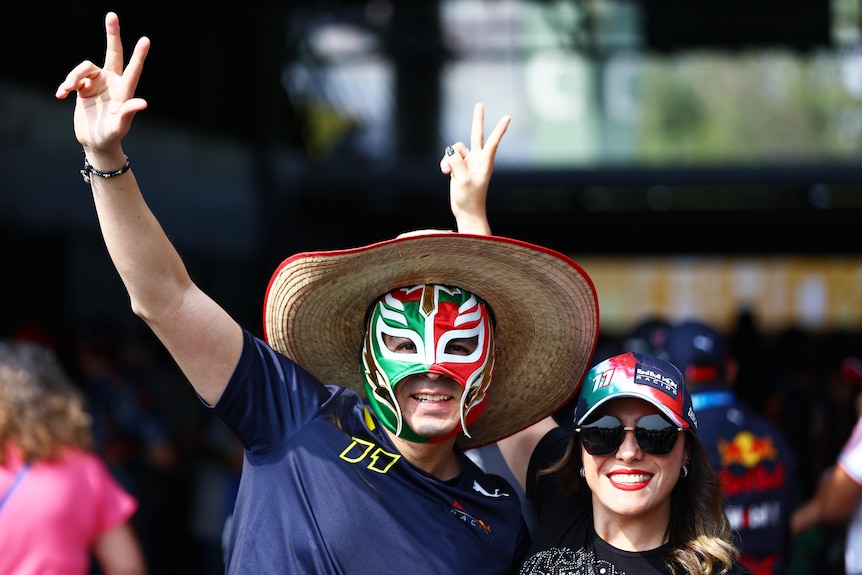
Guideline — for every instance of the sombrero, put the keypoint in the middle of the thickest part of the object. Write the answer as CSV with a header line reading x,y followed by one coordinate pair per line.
x,y
545,305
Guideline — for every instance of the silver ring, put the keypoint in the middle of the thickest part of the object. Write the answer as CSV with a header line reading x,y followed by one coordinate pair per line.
x,y
450,151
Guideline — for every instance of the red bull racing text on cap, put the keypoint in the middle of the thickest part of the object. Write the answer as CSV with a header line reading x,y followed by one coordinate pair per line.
x,y
640,376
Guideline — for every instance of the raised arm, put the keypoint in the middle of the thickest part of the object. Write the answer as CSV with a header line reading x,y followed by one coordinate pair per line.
x,y
202,338
119,553
837,498
470,172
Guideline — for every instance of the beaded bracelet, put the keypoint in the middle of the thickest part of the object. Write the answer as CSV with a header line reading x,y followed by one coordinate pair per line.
x,y
88,169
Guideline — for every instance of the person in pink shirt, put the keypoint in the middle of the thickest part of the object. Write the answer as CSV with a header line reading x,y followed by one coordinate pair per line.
x,y
58,502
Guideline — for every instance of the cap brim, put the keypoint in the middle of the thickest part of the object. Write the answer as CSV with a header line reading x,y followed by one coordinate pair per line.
x,y
545,305
665,410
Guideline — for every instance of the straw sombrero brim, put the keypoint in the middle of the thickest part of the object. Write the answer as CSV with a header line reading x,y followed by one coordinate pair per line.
x,y
545,305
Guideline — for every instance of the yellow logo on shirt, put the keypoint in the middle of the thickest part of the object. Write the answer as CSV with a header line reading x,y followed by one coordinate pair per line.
x,y
379,460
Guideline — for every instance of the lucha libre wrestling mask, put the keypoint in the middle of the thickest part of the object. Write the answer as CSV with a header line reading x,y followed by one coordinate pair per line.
x,y
430,316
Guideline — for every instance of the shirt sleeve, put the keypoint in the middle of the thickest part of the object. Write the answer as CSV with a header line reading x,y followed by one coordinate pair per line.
x,y
269,397
850,458
113,505
548,451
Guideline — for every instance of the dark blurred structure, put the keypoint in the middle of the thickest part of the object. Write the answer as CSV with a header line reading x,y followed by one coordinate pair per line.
x,y
236,209
802,24
220,72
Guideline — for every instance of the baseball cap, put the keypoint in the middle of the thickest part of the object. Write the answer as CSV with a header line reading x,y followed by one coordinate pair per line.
x,y
641,376
697,349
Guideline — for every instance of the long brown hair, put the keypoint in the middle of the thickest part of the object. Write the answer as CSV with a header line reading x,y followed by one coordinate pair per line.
x,y
41,409
699,533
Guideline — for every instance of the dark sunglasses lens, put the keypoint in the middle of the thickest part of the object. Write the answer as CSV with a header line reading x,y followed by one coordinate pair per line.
x,y
656,435
603,436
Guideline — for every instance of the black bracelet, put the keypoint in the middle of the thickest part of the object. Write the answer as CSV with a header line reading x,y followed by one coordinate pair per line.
x,y
88,169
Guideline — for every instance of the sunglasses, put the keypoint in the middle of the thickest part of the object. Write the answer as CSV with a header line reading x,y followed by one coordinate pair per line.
x,y
654,434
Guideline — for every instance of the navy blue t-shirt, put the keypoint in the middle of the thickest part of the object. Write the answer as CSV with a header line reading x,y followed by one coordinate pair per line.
x,y
757,470
324,490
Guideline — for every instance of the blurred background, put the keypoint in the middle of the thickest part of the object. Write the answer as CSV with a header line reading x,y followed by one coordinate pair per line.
x,y
693,158
696,158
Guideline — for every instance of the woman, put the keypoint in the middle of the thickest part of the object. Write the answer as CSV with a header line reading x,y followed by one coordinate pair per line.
x,y
631,490
58,501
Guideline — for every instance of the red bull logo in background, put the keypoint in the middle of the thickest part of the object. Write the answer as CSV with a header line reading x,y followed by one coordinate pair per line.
x,y
751,452
746,449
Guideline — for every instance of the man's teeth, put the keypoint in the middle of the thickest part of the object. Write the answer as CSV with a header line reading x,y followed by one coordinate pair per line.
x,y
424,397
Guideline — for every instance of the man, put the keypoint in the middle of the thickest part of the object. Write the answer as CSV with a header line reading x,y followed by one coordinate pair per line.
x,y
457,340
751,455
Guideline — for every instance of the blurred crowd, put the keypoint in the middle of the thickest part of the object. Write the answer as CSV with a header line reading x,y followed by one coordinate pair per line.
x,y
183,465
161,445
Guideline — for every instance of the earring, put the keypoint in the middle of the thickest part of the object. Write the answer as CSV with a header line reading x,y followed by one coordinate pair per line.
x,y
684,471
582,472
